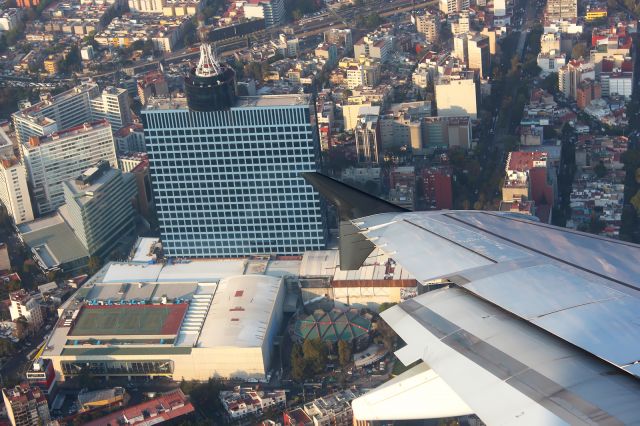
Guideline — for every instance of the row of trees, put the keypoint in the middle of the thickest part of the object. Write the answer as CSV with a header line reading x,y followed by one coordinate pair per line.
x,y
312,356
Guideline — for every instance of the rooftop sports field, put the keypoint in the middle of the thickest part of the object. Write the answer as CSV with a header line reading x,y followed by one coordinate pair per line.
x,y
129,320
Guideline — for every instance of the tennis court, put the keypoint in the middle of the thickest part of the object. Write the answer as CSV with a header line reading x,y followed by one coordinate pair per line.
x,y
129,320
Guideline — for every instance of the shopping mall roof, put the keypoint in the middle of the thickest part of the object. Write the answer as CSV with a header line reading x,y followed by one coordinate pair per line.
x,y
332,326
241,310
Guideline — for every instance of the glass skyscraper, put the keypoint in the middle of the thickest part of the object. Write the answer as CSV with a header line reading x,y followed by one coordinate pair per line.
x,y
227,182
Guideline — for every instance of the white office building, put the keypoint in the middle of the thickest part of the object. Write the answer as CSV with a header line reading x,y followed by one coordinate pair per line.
x,y
227,183
98,207
14,192
54,159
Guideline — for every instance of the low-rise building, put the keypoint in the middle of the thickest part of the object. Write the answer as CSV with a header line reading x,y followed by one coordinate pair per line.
x,y
242,402
334,409
437,186
166,408
101,398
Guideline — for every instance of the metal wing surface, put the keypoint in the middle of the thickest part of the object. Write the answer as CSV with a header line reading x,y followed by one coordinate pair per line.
x,y
540,325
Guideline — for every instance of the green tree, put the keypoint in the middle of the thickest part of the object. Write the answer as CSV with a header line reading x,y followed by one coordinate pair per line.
x,y
600,170
550,83
315,355
22,328
6,348
579,50
387,335
94,264
297,363
385,305
344,353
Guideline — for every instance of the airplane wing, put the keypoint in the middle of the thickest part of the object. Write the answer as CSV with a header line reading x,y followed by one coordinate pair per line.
x,y
539,324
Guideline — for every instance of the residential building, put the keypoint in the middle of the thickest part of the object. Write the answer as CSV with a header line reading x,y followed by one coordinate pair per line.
x,y
27,4
595,14
456,97
14,191
437,186
228,183
50,64
401,125
453,6
98,207
572,74
478,54
492,35
374,45
333,409
9,19
528,179
328,52
365,74
26,406
551,61
130,139
446,132
428,24
461,24
587,91
87,53
171,407
339,37
272,11
41,375
499,8
146,6
421,76
82,104
550,42
5,260
241,402
402,183
367,133
152,84
131,160
561,10
532,135
112,105
54,159
25,306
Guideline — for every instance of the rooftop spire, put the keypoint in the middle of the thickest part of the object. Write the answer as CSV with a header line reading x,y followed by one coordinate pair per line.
x,y
208,65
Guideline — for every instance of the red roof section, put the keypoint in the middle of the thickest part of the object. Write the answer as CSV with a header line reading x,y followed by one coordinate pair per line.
x,y
523,161
158,410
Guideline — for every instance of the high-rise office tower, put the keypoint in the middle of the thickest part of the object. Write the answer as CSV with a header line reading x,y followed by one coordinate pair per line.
x,y
226,178
54,159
